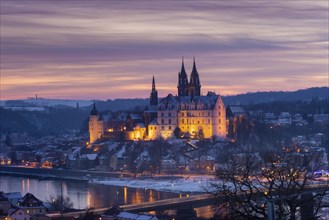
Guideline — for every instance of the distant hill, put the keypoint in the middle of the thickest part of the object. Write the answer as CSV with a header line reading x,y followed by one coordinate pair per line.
x,y
122,104
41,102
243,99
60,116
139,104
265,97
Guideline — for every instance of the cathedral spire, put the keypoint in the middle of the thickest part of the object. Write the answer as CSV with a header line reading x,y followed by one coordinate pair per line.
x,y
182,81
94,110
154,94
194,86
194,66
183,67
153,84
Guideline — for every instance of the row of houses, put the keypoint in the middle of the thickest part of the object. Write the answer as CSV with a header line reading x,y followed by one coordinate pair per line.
x,y
15,207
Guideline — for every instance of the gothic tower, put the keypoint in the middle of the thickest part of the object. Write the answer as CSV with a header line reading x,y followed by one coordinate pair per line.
x,y
194,87
154,94
96,129
182,81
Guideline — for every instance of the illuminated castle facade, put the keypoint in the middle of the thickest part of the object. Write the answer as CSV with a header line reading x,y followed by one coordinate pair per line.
x,y
187,115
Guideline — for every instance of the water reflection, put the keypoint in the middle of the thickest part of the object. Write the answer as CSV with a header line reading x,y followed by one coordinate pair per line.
x,y
84,195
125,195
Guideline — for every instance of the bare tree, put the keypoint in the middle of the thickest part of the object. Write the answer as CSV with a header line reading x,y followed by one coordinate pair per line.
x,y
249,188
60,204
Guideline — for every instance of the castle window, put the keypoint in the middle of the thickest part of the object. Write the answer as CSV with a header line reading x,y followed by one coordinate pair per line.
x,y
219,121
208,121
169,121
169,114
155,128
162,121
183,121
162,127
182,114
169,127
219,113
208,113
198,122
151,128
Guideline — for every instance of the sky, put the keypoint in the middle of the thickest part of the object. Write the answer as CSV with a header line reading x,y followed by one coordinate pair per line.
x,y
111,49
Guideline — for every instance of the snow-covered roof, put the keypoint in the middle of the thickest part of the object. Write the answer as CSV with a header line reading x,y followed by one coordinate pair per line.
x,y
284,115
237,110
269,115
88,156
182,102
140,125
170,161
127,215
13,195
154,122
135,116
121,152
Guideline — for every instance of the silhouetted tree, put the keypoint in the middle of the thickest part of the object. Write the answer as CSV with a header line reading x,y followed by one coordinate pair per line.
x,y
177,132
60,203
247,190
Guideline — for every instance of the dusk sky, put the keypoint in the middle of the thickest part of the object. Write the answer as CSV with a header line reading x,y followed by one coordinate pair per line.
x,y
111,49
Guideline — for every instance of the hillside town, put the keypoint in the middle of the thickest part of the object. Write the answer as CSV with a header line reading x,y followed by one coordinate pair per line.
x,y
183,140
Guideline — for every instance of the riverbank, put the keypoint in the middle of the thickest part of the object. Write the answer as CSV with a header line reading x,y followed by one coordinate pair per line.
x,y
58,174
188,184
175,184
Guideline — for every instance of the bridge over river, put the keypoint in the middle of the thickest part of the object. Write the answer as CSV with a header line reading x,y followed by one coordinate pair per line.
x,y
193,201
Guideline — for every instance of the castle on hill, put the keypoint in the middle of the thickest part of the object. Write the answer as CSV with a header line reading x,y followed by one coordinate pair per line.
x,y
186,115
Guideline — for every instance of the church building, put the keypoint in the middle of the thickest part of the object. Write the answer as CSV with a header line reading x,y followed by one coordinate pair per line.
x,y
186,115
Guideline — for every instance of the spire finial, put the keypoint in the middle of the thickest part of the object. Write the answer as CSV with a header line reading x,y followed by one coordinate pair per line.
x,y
153,84
183,68
194,66
94,104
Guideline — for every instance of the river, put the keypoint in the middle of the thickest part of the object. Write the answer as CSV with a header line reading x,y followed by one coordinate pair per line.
x,y
85,195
